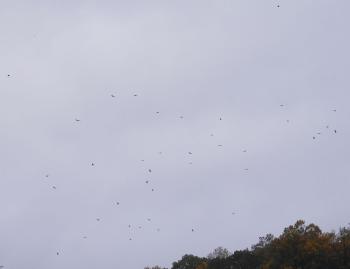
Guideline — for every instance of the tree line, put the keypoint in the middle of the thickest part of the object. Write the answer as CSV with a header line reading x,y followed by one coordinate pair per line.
x,y
300,246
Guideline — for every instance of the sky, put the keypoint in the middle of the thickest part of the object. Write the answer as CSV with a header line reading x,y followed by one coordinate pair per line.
x,y
238,108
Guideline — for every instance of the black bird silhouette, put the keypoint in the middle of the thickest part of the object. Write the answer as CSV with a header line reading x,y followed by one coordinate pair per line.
x,y
313,137
77,120
84,237
54,187
157,112
334,110
190,152
57,253
150,170
244,150
92,164
220,118
47,175
192,230
135,95
219,145
98,219
181,117
149,219
117,203
8,75
152,189
335,131
112,95
147,181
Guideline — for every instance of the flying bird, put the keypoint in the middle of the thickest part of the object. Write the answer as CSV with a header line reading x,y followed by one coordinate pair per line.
x,y
150,170
147,181
98,219
135,95
57,253
219,145
190,152
192,230
92,164
117,203
54,187
77,120
149,219
112,95
335,131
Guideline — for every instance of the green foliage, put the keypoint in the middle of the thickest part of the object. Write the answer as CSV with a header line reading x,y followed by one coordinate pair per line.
x,y
300,246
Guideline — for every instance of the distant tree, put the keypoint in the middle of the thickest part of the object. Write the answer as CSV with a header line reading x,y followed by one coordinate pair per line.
x,y
188,262
220,253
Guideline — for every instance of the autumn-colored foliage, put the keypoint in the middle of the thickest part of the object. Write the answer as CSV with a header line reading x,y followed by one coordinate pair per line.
x,y
300,246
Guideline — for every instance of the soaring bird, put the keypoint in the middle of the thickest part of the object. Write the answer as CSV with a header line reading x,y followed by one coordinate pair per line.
x,y
149,219
150,170
117,203
147,181
98,219
112,95
57,253
192,230
77,120
92,164
54,187
335,131
190,152
135,95
8,75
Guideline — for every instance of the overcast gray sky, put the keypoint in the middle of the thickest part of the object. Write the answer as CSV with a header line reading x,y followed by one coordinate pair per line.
x,y
202,60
